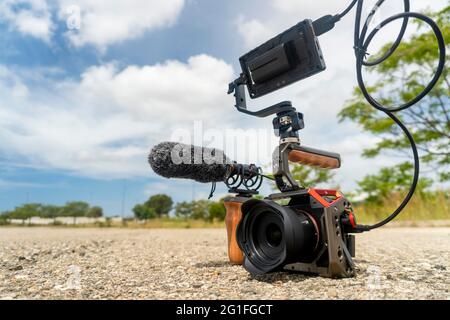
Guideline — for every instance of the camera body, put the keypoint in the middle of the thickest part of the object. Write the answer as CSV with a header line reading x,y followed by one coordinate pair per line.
x,y
311,234
307,230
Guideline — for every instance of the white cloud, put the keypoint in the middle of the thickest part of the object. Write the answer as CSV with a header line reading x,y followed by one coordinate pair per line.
x,y
105,22
29,17
253,31
173,90
99,23
104,125
6,184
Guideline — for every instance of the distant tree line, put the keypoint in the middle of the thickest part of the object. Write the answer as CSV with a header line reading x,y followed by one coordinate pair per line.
x,y
161,205
73,209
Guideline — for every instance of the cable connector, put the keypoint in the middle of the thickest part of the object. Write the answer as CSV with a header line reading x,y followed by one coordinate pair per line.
x,y
325,24
361,228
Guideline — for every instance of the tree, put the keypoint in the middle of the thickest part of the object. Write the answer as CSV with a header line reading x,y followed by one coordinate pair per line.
x,y
50,212
388,181
217,211
75,209
403,77
94,212
27,211
183,210
200,209
160,203
311,176
4,217
142,212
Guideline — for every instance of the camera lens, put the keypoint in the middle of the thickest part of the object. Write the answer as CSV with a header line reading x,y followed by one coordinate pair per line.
x,y
271,236
266,235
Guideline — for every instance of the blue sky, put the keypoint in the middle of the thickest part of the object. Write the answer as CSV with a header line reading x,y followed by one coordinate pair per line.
x,y
81,107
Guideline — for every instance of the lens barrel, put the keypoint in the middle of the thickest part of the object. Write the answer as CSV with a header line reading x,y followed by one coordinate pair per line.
x,y
271,236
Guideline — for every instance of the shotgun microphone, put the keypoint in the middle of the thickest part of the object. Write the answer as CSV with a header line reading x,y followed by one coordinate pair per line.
x,y
178,160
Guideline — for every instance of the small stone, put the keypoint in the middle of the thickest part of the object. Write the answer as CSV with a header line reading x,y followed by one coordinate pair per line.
x,y
440,267
16,268
332,293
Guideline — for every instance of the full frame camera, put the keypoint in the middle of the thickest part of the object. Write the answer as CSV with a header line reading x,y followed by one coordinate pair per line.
x,y
305,229
311,233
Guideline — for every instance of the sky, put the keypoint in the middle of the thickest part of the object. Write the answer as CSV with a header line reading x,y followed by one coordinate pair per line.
x,y
88,87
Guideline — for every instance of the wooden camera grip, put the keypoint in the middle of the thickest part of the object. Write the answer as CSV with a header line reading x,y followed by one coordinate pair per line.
x,y
315,158
232,219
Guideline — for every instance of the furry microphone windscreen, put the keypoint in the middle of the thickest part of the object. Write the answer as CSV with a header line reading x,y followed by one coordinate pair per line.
x,y
177,160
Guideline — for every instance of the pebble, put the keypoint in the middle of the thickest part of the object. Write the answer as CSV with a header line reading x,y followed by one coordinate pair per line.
x,y
16,268
332,293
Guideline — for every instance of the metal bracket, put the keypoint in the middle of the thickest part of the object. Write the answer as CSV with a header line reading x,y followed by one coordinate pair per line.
x,y
339,259
238,88
281,172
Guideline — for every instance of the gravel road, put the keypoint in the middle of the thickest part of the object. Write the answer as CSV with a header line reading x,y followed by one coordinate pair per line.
x,y
59,263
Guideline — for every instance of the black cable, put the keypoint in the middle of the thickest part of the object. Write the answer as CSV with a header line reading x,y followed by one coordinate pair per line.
x,y
347,10
213,189
396,42
267,177
361,43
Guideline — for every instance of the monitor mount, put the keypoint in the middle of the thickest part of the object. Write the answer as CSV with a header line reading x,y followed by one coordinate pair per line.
x,y
287,123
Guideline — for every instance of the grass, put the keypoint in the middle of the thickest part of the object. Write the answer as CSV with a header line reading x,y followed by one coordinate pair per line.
x,y
430,207
166,223
161,223
427,207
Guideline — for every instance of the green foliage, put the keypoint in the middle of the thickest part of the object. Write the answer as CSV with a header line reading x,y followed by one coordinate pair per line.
x,y
201,210
155,207
4,219
388,181
143,212
70,209
94,212
50,211
26,211
311,176
75,209
160,203
3,222
183,209
423,206
403,76
217,211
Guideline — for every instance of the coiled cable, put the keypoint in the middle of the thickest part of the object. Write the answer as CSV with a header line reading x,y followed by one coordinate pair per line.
x,y
361,44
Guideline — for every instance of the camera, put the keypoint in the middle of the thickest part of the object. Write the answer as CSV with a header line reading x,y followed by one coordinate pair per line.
x,y
308,234
298,229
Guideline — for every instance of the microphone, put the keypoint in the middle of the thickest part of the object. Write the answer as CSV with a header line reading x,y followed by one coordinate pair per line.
x,y
178,160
